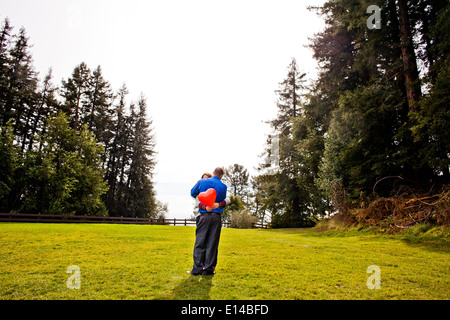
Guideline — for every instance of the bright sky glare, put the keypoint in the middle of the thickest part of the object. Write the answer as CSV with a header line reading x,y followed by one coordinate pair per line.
x,y
209,70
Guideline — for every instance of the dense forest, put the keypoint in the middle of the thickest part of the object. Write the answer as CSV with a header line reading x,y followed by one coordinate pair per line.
x,y
371,133
77,148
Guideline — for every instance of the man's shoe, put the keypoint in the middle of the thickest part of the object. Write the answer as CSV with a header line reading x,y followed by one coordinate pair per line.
x,y
194,273
208,273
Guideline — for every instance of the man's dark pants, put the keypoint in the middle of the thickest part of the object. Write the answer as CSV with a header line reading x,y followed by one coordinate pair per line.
x,y
207,237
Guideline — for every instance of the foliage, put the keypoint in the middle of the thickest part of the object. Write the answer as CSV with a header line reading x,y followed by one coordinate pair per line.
x,y
360,144
10,163
67,173
241,219
58,149
365,118
235,204
286,194
236,178
430,128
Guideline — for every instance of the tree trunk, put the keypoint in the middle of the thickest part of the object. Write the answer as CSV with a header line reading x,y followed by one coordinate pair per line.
x,y
77,107
413,91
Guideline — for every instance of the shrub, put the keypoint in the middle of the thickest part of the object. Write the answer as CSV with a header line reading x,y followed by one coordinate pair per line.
x,y
241,219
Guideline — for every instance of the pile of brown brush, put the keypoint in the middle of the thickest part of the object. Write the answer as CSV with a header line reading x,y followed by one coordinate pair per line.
x,y
400,212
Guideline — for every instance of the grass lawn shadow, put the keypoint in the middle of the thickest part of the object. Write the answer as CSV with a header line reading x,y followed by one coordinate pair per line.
x,y
191,288
435,246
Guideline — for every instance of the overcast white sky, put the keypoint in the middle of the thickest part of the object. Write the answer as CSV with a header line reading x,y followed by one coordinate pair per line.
x,y
209,70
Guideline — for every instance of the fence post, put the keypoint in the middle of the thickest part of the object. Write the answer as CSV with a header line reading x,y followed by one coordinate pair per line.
x,y
174,221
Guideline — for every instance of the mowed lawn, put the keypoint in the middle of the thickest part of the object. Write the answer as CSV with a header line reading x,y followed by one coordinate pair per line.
x,y
150,262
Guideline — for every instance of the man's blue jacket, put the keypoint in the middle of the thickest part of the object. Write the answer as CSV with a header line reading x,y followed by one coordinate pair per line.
x,y
215,183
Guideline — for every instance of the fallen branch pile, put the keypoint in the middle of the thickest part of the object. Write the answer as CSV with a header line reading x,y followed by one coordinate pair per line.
x,y
403,213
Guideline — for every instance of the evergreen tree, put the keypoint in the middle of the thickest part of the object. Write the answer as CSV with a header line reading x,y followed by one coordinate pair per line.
x,y
75,92
117,154
266,198
236,177
97,111
284,185
20,92
5,34
140,196
47,107
289,98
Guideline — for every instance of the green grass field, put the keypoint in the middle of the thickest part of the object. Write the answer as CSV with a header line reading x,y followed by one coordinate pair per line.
x,y
150,262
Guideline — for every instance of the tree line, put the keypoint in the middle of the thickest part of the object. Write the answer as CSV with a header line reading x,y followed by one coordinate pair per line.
x,y
375,122
78,148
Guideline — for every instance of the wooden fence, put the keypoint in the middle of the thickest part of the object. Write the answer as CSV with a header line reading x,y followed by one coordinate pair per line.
x,y
48,218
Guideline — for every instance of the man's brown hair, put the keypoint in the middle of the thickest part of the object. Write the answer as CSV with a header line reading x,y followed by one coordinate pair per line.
x,y
218,172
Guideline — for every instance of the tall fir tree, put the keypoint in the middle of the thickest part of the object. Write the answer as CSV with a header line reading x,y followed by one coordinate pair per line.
x,y
75,92
117,152
47,107
140,195
236,177
97,111
5,39
284,183
289,99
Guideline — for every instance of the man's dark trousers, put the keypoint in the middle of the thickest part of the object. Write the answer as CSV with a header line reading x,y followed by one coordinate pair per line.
x,y
207,237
